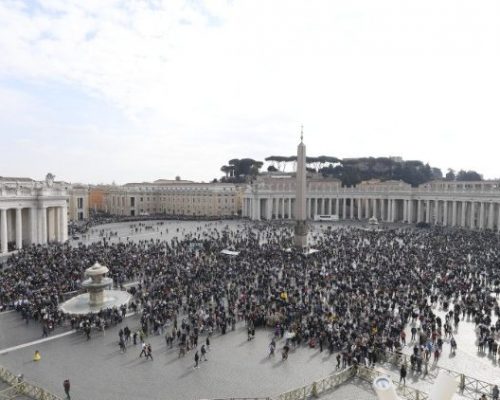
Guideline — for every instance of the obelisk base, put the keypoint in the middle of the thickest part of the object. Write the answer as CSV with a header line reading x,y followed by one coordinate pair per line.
x,y
300,237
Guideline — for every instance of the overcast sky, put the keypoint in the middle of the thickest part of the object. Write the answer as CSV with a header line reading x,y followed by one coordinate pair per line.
x,y
101,90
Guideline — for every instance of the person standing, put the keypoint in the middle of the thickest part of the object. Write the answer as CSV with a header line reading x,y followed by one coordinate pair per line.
x,y
66,386
495,392
402,374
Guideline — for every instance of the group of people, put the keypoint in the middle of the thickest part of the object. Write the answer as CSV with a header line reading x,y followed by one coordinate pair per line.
x,y
357,296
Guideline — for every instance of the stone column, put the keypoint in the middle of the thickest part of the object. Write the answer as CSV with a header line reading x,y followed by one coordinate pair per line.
x,y
445,213
405,210
360,208
33,226
382,210
257,208
472,215
481,215
344,208
374,205
410,211
3,231
436,212
491,215
419,211
337,207
463,214
454,213
393,210
64,223
308,208
498,220
352,209
289,208
428,211
19,228
367,208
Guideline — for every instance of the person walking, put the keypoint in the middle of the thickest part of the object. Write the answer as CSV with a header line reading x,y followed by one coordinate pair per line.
x,y
67,386
149,351
196,359
203,353
143,350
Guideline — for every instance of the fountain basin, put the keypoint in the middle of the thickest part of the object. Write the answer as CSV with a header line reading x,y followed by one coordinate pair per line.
x,y
81,304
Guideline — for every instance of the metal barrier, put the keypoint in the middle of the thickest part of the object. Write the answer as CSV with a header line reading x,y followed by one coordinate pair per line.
x,y
369,374
468,387
18,386
243,398
318,387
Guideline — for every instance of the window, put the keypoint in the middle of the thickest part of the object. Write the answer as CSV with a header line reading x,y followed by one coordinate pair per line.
x,y
80,216
132,202
80,202
132,213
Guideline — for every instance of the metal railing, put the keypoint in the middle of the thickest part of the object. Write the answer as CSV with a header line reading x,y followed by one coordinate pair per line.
x,y
468,386
407,392
21,387
316,388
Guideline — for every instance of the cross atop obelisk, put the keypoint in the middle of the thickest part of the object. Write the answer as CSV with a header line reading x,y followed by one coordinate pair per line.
x,y
300,196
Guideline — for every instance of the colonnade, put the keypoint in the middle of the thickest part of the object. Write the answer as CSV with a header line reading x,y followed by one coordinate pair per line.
x,y
32,225
467,213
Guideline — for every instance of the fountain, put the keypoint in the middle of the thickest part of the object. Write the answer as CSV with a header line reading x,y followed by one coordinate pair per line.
x,y
96,283
97,297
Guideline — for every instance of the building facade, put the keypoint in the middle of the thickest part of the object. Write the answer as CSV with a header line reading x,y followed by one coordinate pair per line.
x,y
78,202
473,205
32,212
174,198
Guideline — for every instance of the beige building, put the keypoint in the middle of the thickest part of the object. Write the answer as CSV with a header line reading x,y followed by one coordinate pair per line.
x,y
32,212
175,198
473,205
78,202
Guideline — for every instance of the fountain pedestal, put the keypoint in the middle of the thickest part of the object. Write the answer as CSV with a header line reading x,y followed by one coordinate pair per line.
x,y
96,283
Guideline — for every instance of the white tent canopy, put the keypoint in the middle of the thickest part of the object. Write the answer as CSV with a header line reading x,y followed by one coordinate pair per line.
x,y
230,252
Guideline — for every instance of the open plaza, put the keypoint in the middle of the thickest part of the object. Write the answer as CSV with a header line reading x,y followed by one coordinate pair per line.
x,y
236,366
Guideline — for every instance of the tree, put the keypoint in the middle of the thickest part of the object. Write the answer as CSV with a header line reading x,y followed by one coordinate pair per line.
x,y
238,170
450,175
436,173
272,168
469,176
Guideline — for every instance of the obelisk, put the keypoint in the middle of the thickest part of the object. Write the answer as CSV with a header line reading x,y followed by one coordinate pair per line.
x,y
300,196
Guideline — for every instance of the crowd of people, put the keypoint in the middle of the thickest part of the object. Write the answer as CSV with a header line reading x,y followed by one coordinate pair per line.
x,y
357,296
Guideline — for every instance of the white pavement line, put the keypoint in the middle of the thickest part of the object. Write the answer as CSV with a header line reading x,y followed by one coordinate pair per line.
x,y
6,312
47,339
